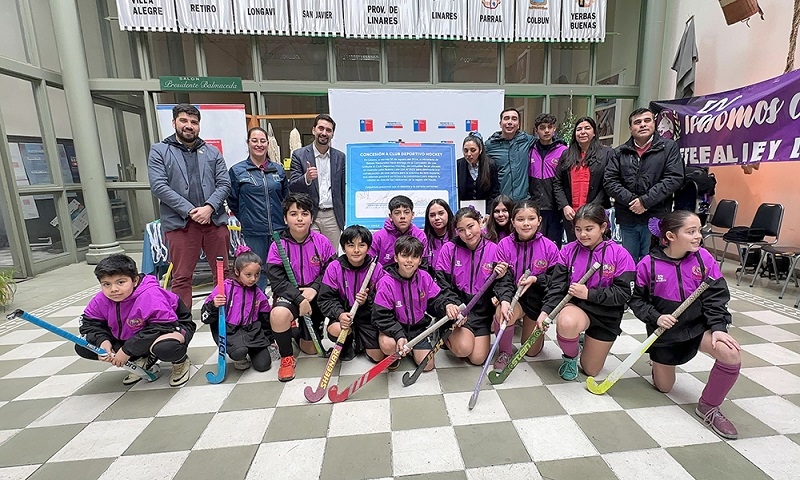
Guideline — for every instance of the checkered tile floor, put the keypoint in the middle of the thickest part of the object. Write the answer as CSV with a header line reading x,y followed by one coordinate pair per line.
x,y
67,418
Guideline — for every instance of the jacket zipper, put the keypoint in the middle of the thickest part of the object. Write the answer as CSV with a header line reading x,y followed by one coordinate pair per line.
x,y
119,319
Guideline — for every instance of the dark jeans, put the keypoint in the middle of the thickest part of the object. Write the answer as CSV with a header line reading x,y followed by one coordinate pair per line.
x,y
636,239
551,226
185,245
259,244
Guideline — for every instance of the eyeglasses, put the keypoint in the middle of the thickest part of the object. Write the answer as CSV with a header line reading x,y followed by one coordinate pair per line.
x,y
259,140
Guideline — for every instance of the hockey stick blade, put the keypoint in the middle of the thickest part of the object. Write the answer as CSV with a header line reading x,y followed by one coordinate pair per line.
x,y
410,379
499,377
520,290
315,396
335,396
222,331
611,379
149,375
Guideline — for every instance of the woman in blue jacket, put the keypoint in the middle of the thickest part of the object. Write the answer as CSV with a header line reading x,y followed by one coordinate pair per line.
x,y
258,188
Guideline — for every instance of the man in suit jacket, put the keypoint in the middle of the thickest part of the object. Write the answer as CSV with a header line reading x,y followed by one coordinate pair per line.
x,y
318,170
191,181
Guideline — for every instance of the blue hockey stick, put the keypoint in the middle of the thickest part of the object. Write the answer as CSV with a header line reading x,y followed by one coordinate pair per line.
x,y
222,330
148,375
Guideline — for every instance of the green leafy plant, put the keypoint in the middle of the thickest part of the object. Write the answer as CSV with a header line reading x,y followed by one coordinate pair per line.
x,y
8,287
567,126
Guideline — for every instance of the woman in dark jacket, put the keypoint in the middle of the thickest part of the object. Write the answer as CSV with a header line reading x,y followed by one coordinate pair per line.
x,y
579,177
476,172
258,187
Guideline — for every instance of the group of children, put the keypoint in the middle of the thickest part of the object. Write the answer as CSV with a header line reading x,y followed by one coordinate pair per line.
x,y
430,272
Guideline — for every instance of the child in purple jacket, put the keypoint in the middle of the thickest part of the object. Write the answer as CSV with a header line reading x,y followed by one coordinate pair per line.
x,y
526,249
340,290
404,294
664,278
308,253
137,320
399,224
596,306
462,268
246,314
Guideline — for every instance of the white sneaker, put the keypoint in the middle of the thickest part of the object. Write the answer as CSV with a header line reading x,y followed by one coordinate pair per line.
x,y
180,373
132,378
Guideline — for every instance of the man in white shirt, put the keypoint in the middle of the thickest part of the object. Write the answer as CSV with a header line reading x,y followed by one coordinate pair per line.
x,y
319,170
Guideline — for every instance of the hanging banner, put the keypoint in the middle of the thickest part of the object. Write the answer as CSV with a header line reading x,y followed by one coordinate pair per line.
x,y
538,20
756,123
445,19
583,21
491,20
148,15
205,16
317,17
380,18
262,17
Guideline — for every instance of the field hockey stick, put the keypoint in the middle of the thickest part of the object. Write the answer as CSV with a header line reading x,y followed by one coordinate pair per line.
x,y
289,273
335,396
410,378
149,375
312,395
222,329
611,379
496,377
520,290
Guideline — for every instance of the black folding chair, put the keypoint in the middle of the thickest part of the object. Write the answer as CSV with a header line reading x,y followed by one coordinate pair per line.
x,y
769,217
723,217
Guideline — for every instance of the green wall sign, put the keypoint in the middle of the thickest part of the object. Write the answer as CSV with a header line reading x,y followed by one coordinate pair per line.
x,y
203,84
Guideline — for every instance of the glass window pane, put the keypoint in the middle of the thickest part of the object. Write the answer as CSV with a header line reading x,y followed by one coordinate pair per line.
x,y
131,210
611,115
568,108
524,62
228,56
7,259
529,108
172,54
616,57
121,45
45,38
44,237
570,63
358,60
80,219
409,60
467,62
12,45
293,58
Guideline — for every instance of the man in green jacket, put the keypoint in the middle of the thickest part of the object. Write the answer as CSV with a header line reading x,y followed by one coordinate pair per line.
x,y
510,149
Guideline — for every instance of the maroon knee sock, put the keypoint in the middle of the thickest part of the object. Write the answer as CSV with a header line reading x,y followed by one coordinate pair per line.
x,y
507,340
720,382
568,345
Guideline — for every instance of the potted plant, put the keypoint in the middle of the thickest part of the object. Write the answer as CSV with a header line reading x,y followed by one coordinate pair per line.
x,y
8,287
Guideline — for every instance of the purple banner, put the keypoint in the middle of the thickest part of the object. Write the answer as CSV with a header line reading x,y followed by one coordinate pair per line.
x,y
757,123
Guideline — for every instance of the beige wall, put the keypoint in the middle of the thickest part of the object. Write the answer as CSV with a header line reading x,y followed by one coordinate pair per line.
x,y
731,57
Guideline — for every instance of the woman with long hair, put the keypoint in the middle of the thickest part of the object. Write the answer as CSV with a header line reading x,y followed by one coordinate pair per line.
x,y
476,172
579,177
440,225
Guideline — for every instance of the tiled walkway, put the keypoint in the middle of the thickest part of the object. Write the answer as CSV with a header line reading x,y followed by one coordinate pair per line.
x,y
62,417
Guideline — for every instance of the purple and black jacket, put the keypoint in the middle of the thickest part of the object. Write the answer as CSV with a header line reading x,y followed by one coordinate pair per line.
x,y
404,301
538,254
308,260
662,283
340,284
609,288
149,312
384,239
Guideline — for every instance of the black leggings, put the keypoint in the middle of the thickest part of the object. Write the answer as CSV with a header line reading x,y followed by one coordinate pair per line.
x,y
260,357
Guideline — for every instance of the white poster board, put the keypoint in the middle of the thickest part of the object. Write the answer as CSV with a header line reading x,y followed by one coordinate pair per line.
x,y
223,126
413,116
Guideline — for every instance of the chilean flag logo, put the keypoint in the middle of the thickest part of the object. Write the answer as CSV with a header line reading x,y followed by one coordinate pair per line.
x,y
365,125
472,125
420,125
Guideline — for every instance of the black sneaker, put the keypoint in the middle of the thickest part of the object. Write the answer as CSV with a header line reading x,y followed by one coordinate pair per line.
x,y
395,365
348,354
